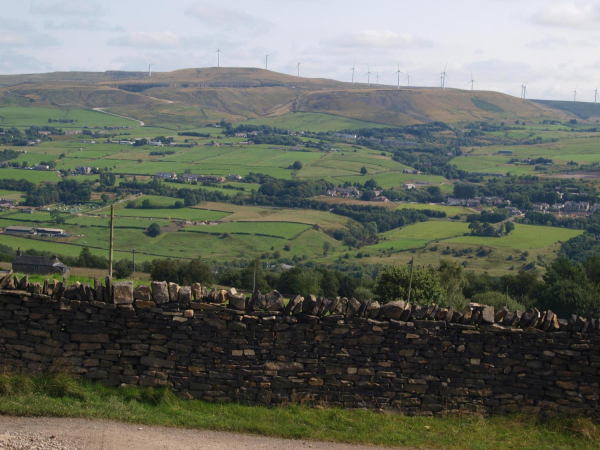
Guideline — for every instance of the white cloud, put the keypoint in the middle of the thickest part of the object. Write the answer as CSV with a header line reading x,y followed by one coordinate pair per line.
x,y
227,19
82,24
551,43
568,15
19,33
377,39
13,62
147,39
67,8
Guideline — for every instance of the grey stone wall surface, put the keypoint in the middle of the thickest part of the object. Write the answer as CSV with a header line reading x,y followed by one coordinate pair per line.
x,y
222,346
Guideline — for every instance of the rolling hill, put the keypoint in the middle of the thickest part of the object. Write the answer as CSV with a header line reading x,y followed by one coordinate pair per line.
x,y
238,94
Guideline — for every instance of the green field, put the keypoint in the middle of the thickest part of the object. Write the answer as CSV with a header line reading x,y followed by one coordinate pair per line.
x,y
193,214
277,229
418,235
524,237
449,210
313,122
26,117
35,176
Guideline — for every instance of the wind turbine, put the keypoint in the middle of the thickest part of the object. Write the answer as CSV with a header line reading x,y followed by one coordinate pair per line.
x,y
368,74
444,77
524,90
218,52
267,61
298,68
575,94
407,78
596,95
377,77
472,82
353,70
150,68
398,73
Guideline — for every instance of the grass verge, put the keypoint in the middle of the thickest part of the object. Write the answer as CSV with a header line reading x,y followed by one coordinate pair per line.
x,y
61,395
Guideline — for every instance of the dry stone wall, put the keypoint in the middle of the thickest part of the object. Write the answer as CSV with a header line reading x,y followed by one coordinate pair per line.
x,y
222,346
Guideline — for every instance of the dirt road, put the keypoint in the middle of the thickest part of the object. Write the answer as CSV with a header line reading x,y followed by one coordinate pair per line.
x,y
69,434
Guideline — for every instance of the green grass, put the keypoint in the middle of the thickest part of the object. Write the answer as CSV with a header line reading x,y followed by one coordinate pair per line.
x,y
60,395
35,176
418,235
26,117
449,210
173,213
279,229
524,237
313,122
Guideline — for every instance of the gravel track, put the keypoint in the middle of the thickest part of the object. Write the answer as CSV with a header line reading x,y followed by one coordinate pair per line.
x,y
19,433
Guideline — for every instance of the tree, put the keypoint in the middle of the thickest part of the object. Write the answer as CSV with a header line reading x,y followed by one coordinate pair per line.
x,y
297,165
363,170
463,190
153,230
508,227
426,287
165,270
196,271
247,278
56,217
123,268
106,198
326,247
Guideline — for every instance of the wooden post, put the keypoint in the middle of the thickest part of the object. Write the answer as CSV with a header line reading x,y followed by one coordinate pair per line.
x,y
133,260
412,263
110,255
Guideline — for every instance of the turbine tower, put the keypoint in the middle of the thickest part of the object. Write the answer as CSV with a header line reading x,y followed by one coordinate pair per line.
x,y
218,52
150,68
398,73
472,82
353,70
524,90
596,96
298,68
267,61
368,75
443,77
377,77
407,78
575,94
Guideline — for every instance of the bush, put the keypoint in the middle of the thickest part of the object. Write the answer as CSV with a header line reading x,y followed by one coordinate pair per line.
x,y
498,300
153,230
426,286
123,268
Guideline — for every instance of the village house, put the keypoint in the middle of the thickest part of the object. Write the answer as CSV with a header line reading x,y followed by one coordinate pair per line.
x,y
571,206
541,207
344,192
166,175
38,265
409,186
381,198
411,171
156,143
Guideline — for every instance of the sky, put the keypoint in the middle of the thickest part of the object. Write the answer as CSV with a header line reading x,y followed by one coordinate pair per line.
x,y
550,45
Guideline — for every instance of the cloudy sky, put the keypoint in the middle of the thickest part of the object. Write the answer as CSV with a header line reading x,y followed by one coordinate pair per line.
x,y
550,44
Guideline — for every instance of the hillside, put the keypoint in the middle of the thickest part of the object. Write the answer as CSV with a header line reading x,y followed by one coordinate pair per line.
x,y
239,94
582,110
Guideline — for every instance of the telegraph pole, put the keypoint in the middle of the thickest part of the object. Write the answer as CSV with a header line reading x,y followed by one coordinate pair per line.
x,y
133,251
112,231
412,263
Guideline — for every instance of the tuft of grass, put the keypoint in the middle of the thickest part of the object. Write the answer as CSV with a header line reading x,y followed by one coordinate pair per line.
x,y
61,395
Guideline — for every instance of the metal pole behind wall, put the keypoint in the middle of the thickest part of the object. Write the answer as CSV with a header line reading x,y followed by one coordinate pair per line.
x,y
412,263
110,256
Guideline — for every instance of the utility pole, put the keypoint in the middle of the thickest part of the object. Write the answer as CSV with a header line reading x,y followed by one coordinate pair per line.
x,y
254,279
412,263
133,251
112,231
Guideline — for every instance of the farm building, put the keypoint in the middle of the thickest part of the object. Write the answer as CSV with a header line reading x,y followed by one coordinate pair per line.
x,y
19,230
505,152
41,167
40,265
166,175
408,186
